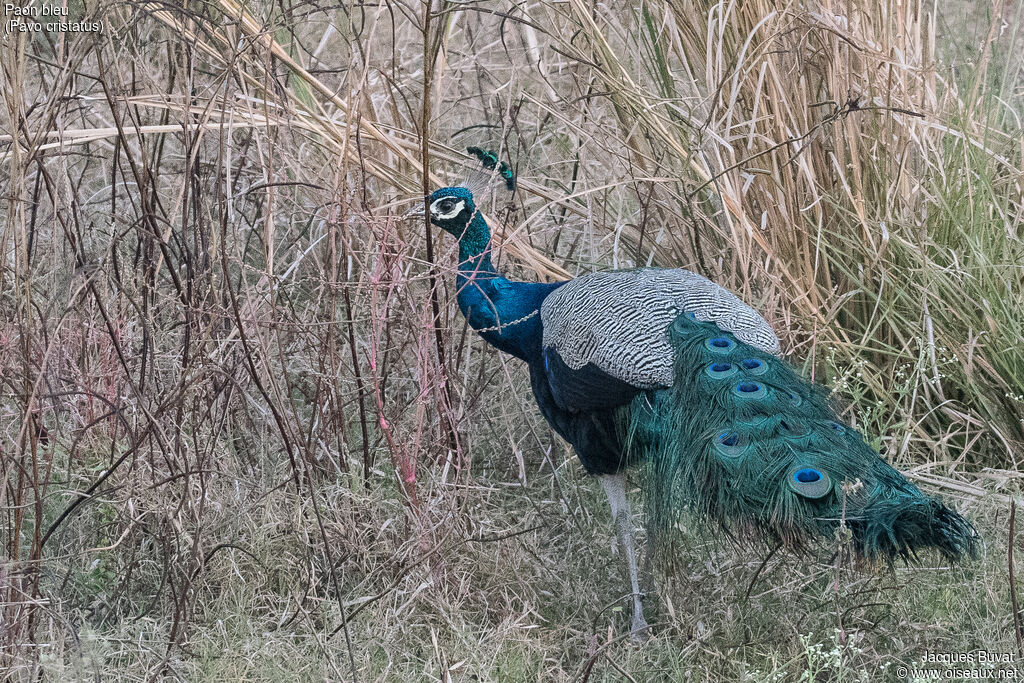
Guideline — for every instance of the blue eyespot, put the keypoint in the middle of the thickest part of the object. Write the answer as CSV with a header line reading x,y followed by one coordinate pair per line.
x,y
720,345
721,370
810,482
795,399
731,444
807,475
753,366
836,426
691,315
750,390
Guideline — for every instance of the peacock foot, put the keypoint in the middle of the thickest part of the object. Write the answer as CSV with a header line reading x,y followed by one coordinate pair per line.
x,y
640,632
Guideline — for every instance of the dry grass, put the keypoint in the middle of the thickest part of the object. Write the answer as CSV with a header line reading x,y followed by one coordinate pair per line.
x,y
234,447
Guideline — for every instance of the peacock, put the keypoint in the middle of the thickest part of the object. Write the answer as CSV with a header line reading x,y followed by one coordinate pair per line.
x,y
664,369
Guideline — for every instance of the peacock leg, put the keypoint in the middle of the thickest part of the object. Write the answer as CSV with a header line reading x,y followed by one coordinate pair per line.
x,y
615,488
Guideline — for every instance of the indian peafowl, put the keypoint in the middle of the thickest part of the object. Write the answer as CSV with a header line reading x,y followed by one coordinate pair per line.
x,y
664,367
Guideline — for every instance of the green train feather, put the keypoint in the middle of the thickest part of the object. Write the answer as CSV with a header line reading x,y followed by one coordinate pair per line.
x,y
740,438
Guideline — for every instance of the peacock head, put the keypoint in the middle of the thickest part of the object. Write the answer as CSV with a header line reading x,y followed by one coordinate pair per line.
x,y
452,209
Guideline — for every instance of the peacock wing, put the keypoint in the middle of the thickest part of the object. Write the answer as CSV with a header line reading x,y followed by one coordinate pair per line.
x,y
606,334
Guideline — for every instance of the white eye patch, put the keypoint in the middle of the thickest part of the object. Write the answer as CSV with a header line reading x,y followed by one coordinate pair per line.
x,y
447,208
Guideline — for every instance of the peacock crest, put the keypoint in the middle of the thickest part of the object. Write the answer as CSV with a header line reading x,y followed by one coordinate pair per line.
x,y
490,161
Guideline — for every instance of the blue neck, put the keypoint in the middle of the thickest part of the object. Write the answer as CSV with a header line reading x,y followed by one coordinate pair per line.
x,y
488,300
475,248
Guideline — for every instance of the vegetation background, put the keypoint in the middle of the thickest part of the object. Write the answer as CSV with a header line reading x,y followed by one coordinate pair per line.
x,y
246,435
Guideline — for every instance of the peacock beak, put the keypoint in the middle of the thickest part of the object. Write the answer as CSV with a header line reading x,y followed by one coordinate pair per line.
x,y
416,211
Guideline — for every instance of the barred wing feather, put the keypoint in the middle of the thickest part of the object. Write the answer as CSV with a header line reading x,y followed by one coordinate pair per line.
x,y
617,322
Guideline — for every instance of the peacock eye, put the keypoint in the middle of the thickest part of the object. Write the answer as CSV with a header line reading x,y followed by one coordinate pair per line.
x,y
446,206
